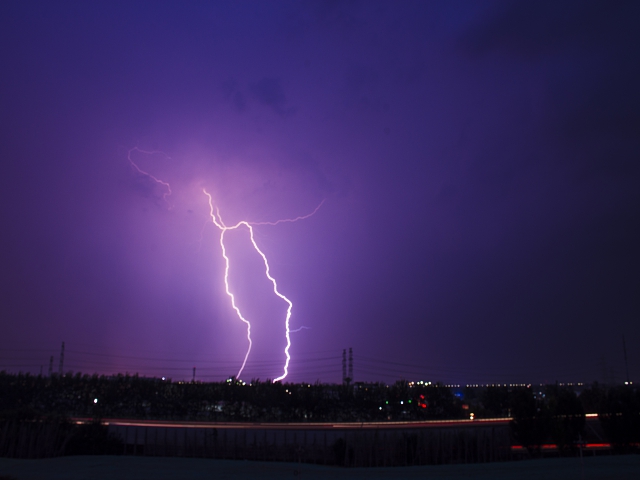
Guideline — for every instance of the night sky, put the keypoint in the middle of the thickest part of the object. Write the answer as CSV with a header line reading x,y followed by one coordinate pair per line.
x,y
478,163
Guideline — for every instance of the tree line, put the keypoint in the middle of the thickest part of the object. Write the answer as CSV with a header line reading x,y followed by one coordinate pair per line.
x,y
539,414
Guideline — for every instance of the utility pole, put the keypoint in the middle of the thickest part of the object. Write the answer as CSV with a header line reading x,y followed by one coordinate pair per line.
x,y
344,365
61,367
51,365
350,364
626,363
194,375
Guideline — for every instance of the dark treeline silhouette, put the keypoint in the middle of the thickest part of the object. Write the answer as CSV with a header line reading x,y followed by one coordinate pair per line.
x,y
551,414
556,415
127,396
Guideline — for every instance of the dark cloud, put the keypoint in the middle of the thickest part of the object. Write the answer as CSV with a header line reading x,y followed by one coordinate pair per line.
x,y
591,124
604,126
269,92
531,29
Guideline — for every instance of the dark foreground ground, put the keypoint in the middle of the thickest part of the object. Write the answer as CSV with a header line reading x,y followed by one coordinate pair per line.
x,y
137,468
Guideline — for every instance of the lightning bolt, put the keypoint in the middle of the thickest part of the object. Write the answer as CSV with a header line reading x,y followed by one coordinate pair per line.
x,y
217,221
299,329
164,185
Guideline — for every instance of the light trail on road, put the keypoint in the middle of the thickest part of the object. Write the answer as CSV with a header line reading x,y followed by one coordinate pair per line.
x,y
122,422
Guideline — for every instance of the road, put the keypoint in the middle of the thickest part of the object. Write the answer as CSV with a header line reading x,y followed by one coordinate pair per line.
x,y
124,422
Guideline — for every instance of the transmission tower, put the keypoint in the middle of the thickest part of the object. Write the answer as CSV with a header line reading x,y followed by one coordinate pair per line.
x,y
344,365
61,366
626,362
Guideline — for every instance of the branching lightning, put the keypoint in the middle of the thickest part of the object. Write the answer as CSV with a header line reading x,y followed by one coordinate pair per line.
x,y
217,221
299,329
164,185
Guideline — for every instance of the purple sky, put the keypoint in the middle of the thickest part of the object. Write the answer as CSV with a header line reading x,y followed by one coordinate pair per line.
x,y
478,163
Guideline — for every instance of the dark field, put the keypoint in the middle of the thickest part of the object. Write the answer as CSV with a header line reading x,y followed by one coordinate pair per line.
x,y
135,468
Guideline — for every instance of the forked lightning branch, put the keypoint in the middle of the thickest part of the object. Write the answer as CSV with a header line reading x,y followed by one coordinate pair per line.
x,y
223,228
